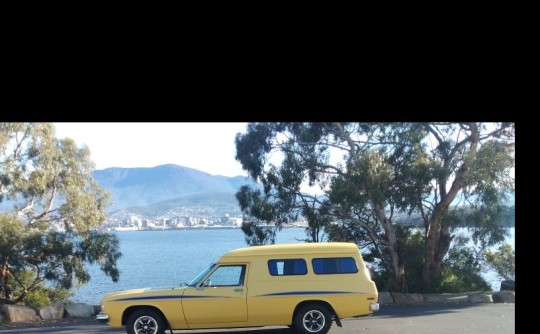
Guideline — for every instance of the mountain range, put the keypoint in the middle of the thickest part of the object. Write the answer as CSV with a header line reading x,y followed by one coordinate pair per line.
x,y
155,190
140,187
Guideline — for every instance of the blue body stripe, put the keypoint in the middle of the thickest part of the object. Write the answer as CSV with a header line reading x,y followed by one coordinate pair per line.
x,y
292,293
289,293
164,297
147,298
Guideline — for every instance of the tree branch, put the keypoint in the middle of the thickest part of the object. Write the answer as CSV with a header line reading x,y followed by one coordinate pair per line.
x,y
17,149
49,207
435,133
345,136
496,132
29,206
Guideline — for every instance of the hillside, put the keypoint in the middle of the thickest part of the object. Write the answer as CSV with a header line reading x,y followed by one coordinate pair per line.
x,y
218,202
140,187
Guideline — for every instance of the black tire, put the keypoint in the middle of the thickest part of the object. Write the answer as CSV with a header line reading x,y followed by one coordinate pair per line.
x,y
145,321
313,319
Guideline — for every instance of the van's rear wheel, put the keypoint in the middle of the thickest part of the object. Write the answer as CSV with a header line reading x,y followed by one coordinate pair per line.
x,y
145,321
313,318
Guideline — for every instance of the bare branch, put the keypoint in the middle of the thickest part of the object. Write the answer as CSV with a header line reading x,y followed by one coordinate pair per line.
x,y
17,149
435,133
49,207
345,136
496,132
28,207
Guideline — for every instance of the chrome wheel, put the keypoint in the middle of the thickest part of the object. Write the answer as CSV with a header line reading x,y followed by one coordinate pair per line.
x,y
145,325
313,321
145,321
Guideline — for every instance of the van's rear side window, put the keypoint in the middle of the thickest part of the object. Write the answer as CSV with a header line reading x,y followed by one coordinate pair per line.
x,y
286,267
334,265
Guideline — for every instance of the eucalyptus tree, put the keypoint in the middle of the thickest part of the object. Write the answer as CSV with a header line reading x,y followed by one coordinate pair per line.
x,y
51,208
373,175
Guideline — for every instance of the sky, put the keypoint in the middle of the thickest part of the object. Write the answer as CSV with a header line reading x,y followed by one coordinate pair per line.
x,y
208,147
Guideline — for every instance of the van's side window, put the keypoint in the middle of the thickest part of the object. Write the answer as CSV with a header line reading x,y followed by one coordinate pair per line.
x,y
334,265
287,267
227,276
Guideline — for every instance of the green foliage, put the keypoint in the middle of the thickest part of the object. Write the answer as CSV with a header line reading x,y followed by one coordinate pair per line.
x,y
256,235
411,242
382,278
57,205
37,298
462,268
11,235
40,295
502,261
373,172
411,248
487,224
462,272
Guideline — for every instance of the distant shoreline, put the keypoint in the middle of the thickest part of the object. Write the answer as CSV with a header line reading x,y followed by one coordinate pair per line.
x,y
137,229
190,228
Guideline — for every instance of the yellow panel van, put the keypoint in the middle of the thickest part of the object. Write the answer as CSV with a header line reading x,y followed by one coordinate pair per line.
x,y
305,286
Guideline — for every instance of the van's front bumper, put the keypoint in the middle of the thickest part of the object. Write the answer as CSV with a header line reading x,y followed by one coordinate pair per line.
x,y
102,317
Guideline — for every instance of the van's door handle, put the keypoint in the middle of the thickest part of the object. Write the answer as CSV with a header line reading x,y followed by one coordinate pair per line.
x,y
238,290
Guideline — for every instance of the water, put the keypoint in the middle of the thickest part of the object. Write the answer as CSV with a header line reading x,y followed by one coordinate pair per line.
x,y
169,258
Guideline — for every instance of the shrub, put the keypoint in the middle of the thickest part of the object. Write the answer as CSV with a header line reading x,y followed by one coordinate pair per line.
x,y
37,298
503,261
39,295
461,271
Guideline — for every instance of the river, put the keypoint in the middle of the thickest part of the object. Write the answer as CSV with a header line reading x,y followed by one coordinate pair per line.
x,y
168,258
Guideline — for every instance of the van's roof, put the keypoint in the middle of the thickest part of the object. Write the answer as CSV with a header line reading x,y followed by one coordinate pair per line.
x,y
295,248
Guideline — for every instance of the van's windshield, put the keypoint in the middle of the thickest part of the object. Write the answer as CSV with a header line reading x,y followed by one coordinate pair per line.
x,y
203,273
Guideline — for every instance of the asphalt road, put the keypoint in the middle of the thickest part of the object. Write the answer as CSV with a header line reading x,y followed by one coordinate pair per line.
x,y
417,319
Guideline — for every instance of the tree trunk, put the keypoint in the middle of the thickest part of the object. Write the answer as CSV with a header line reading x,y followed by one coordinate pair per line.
x,y
397,267
437,245
438,237
5,293
314,230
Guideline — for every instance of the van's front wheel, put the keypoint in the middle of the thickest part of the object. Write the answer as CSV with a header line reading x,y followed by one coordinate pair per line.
x,y
313,318
145,321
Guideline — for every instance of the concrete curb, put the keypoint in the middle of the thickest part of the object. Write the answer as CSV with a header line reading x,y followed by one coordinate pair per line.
x,y
505,296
